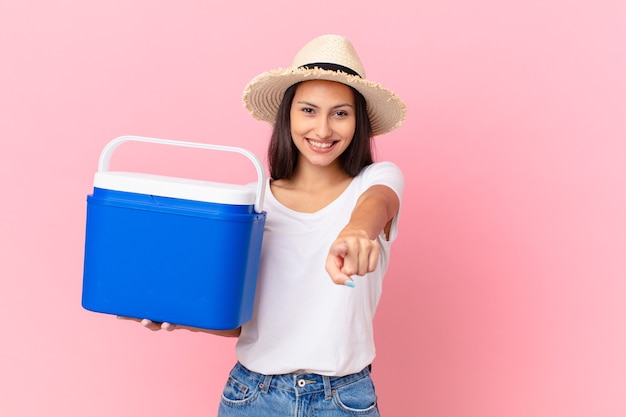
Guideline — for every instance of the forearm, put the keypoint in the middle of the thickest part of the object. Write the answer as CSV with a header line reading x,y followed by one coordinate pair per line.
x,y
373,212
157,325
224,333
355,250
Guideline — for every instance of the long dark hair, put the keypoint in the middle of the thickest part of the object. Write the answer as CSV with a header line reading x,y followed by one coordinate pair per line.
x,y
282,154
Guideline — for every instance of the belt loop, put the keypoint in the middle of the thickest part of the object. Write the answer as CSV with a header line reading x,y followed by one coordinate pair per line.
x,y
328,391
265,385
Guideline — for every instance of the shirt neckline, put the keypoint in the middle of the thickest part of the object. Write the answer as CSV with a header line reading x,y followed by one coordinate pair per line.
x,y
314,213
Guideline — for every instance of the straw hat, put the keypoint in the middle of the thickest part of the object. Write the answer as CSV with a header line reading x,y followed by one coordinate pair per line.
x,y
328,57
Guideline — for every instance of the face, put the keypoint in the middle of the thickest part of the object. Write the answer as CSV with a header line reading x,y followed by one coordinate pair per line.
x,y
323,121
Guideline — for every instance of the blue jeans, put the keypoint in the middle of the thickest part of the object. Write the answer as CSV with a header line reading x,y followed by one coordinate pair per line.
x,y
251,394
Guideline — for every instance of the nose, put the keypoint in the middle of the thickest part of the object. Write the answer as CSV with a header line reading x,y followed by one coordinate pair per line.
x,y
323,129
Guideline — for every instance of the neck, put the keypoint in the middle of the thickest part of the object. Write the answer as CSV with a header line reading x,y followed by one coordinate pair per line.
x,y
313,177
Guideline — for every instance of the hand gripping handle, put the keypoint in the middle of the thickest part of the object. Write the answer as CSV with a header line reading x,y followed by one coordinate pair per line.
x,y
105,158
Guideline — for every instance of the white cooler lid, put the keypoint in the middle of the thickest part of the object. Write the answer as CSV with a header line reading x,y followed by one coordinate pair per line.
x,y
174,187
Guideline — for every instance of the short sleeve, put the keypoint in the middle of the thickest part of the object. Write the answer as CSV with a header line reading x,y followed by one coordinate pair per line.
x,y
388,174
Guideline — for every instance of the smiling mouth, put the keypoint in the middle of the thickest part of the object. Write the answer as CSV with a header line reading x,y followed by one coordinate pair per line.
x,y
321,145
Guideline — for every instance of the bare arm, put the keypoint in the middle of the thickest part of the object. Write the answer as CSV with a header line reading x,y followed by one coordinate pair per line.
x,y
154,325
355,251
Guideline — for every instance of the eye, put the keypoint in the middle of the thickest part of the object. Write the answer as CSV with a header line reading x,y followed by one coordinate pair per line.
x,y
307,110
341,113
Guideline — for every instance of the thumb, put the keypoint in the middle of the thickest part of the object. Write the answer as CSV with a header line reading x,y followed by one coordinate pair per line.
x,y
334,263
339,249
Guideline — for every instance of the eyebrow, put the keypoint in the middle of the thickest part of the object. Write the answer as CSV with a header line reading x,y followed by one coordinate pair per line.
x,y
317,107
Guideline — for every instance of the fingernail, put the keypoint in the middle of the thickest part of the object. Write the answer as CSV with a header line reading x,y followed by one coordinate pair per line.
x,y
145,322
349,284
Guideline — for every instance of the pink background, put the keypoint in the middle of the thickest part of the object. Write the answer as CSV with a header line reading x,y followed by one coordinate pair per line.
x,y
506,294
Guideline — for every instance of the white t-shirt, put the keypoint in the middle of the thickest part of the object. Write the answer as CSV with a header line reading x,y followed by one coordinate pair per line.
x,y
302,321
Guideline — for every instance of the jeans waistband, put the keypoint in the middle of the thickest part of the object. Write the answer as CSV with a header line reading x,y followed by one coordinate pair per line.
x,y
301,383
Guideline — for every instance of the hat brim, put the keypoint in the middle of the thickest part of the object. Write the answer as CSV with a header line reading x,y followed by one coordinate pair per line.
x,y
262,95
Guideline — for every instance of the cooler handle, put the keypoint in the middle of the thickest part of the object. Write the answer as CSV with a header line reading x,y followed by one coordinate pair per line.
x,y
105,158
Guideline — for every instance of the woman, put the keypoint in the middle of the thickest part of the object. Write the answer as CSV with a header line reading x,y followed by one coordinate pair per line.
x,y
331,217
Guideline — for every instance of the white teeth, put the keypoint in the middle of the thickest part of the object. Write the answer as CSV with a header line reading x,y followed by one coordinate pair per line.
x,y
321,145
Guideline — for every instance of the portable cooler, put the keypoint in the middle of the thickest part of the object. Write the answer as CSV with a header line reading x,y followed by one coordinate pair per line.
x,y
173,249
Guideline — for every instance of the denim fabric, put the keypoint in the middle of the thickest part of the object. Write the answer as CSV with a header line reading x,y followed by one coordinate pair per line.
x,y
251,394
